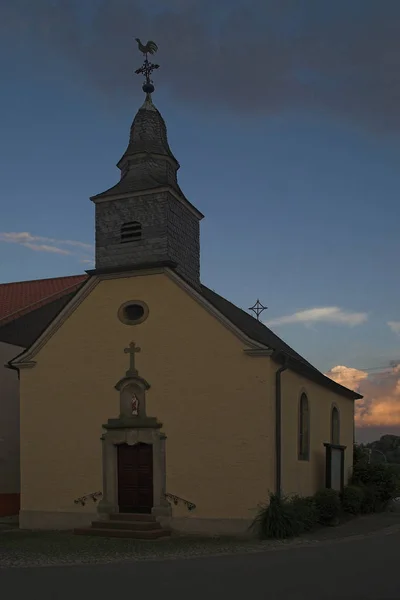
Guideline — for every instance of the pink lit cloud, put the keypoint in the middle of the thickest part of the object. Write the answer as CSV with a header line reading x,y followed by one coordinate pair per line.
x,y
380,406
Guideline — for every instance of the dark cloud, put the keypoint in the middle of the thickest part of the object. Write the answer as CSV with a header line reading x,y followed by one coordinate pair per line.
x,y
251,57
370,434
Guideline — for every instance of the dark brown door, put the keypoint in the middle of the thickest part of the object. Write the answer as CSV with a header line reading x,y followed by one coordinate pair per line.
x,y
135,478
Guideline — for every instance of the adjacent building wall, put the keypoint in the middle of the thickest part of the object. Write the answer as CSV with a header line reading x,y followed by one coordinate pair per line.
x,y
9,433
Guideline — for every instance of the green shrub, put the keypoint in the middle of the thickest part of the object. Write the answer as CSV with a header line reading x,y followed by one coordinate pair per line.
x,y
327,502
285,517
360,454
380,481
352,499
304,512
369,502
396,472
396,468
276,519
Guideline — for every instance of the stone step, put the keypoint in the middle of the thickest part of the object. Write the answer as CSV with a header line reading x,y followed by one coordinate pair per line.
x,y
132,517
124,533
132,525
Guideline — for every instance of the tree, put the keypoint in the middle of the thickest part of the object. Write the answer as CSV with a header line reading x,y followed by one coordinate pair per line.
x,y
389,445
360,454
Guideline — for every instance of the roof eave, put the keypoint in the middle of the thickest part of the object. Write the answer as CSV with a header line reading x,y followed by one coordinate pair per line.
x,y
315,375
112,194
126,155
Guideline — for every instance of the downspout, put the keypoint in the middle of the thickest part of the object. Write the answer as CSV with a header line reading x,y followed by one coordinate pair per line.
x,y
8,365
278,428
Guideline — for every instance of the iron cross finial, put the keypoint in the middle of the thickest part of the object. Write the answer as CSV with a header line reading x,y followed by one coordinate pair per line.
x,y
258,308
147,68
131,350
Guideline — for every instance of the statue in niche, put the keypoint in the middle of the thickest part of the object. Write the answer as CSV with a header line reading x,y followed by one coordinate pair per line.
x,y
135,405
132,389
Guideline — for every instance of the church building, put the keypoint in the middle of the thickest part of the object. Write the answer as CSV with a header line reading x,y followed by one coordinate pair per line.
x,y
147,398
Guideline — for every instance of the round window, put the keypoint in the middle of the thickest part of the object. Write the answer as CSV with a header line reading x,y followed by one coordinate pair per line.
x,y
133,312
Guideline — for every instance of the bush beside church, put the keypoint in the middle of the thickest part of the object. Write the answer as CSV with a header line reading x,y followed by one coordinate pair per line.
x,y
371,488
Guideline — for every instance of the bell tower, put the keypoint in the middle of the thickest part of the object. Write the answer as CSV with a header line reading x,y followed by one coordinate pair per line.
x,y
145,220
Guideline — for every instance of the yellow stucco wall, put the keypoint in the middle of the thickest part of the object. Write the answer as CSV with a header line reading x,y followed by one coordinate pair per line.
x,y
306,477
214,402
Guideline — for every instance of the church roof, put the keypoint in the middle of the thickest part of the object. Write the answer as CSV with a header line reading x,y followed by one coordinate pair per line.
x,y
21,297
148,180
261,333
148,132
25,330
31,316
254,329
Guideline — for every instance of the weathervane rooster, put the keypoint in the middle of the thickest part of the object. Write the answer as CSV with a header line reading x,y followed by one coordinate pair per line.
x,y
147,68
150,48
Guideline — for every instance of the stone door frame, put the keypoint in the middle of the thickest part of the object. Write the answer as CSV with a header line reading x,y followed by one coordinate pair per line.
x,y
131,436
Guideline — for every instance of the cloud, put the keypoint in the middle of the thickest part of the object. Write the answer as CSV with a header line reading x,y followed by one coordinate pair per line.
x,y
347,376
45,248
394,326
42,244
380,405
327,314
248,56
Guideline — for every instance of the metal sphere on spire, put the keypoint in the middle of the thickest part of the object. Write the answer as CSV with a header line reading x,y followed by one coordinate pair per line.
x,y
148,88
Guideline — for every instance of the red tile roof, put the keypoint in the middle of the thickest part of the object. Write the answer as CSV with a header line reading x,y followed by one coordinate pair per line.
x,y
21,297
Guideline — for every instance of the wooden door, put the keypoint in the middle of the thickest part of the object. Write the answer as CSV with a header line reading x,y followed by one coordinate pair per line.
x,y
135,478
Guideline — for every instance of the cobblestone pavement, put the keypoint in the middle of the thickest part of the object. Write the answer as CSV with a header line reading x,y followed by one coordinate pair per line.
x,y
42,549
20,549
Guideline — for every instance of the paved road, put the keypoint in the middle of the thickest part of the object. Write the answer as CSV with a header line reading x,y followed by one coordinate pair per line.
x,y
366,569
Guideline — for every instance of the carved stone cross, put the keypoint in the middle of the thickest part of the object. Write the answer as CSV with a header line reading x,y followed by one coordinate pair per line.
x,y
132,351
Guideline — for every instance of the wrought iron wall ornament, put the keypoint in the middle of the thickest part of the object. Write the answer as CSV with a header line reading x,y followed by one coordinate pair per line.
x,y
147,67
176,499
83,499
258,308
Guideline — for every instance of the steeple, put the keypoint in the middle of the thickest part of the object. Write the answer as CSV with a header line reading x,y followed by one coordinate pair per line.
x,y
148,161
145,219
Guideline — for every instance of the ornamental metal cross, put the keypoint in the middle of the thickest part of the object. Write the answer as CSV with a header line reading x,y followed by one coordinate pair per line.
x,y
132,351
146,69
258,308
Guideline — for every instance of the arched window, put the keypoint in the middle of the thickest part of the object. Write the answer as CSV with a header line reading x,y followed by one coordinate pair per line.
x,y
130,232
335,425
304,428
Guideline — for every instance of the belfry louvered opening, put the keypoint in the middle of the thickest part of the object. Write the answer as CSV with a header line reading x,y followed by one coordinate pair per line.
x,y
130,232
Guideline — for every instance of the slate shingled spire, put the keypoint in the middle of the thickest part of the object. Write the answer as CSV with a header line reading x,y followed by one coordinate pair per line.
x,y
148,203
148,161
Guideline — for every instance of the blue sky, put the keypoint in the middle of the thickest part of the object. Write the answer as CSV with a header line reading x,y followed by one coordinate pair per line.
x,y
300,193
